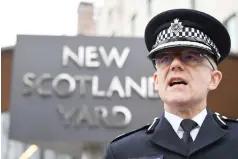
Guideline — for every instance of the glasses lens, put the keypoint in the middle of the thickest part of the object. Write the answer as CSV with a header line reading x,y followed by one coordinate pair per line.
x,y
191,57
163,60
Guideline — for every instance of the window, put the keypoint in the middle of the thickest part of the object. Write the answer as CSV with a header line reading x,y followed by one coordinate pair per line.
x,y
193,4
149,7
231,24
110,11
133,24
113,33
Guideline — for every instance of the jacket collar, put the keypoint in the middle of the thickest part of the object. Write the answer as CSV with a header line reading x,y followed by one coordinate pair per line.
x,y
164,136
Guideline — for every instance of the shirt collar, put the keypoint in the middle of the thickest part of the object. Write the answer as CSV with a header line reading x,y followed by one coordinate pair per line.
x,y
200,117
175,120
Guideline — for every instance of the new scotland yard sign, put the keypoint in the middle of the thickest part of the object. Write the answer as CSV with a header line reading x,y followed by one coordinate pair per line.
x,y
80,89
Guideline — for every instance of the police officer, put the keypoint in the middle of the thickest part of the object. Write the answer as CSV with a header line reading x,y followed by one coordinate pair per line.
x,y
185,47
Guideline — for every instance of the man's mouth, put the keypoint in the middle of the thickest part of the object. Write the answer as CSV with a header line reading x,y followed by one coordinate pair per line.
x,y
177,81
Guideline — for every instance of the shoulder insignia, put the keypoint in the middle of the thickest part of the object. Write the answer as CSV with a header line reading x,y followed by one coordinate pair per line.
x,y
229,120
221,120
150,129
129,133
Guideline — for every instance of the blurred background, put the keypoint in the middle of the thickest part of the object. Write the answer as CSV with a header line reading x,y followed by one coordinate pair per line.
x,y
107,18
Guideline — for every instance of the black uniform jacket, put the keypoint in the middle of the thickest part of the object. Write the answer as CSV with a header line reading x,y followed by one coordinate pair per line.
x,y
217,139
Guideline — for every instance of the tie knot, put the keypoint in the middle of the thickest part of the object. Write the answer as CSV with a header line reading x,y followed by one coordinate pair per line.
x,y
188,125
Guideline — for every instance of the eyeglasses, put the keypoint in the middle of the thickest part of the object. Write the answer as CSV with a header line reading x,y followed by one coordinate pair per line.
x,y
190,57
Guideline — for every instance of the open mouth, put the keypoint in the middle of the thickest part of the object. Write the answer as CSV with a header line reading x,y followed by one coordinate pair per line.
x,y
174,82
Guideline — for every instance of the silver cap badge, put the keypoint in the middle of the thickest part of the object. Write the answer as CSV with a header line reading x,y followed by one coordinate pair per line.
x,y
176,27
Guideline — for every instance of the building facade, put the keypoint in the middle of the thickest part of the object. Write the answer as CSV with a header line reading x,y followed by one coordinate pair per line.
x,y
129,18
86,23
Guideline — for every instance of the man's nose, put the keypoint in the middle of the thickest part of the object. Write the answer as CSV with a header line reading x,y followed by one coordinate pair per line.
x,y
176,64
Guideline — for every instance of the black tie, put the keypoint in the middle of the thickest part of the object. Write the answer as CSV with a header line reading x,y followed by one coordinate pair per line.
x,y
188,125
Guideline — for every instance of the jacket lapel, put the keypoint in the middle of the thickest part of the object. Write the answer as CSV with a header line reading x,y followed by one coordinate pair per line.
x,y
208,133
165,137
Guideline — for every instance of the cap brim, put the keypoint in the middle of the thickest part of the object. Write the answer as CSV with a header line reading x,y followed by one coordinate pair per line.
x,y
176,44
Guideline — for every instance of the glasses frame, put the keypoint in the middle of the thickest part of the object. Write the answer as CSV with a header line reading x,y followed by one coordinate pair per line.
x,y
201,54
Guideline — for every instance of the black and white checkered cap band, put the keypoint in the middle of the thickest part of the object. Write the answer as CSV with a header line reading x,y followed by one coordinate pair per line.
x,y
184,32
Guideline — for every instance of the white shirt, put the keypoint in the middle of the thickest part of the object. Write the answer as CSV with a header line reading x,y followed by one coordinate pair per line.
x,y
175,121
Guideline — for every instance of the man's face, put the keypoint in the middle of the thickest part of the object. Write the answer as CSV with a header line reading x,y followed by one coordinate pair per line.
x,y
183,77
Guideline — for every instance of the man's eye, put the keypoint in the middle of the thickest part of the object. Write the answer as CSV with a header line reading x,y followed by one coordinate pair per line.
x,y
190,58
165,59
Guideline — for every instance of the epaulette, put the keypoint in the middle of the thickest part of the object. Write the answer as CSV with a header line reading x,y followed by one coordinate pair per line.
x,y
150,129
129,133
232,120
229,119
221,120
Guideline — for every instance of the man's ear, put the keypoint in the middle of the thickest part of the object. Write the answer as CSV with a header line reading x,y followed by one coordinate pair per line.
x,y
215,79
156,80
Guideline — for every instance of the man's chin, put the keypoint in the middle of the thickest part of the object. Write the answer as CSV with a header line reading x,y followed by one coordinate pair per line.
x,y
179,102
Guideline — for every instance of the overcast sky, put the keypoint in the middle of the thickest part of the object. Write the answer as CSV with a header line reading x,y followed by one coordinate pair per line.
x,y
40,17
